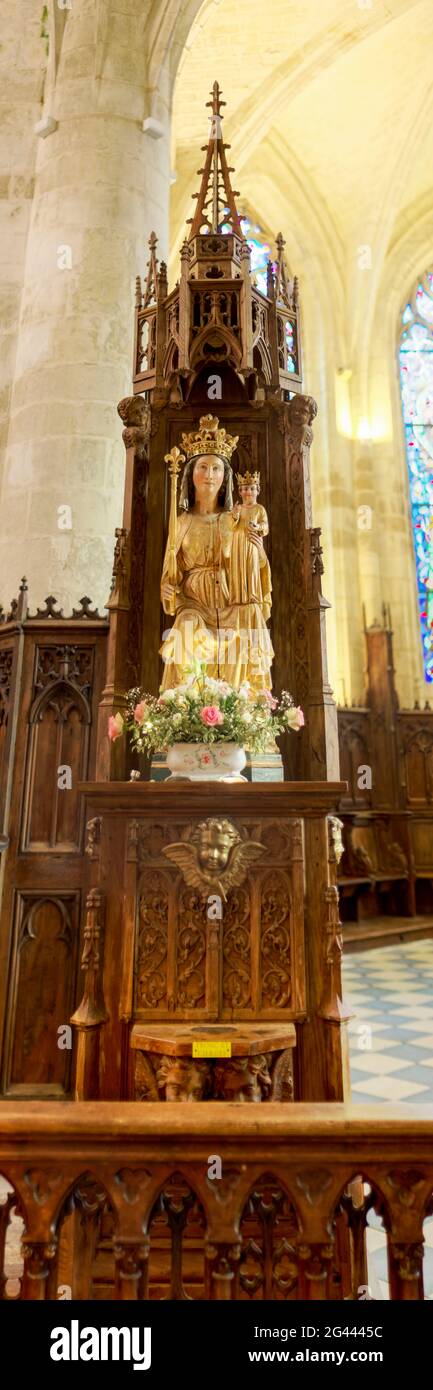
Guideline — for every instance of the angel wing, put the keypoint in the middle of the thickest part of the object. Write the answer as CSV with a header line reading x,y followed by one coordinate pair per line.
x,y
183,855
242,857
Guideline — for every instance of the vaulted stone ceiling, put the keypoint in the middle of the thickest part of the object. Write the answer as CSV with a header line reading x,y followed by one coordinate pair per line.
x,y
329,105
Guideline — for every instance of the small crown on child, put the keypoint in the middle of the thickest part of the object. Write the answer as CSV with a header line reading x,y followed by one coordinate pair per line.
x,y
248,479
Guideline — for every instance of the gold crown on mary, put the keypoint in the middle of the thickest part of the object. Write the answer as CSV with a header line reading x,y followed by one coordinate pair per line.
x,y
209,439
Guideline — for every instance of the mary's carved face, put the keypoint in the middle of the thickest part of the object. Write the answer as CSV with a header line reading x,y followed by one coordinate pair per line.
x,y
208,478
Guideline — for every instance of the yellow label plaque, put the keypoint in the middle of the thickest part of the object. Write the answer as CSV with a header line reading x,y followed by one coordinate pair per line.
x,y
207,1047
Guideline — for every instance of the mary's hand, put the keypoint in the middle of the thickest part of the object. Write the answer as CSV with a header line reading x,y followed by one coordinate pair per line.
x,y
167,591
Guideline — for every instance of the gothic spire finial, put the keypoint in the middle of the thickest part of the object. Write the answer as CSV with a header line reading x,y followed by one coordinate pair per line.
x,y
150,288
216,198
283,288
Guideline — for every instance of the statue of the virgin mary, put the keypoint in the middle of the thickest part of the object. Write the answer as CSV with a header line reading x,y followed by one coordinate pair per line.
x,y
221,594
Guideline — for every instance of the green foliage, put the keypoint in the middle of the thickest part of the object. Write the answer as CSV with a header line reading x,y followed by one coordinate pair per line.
x,y
204,710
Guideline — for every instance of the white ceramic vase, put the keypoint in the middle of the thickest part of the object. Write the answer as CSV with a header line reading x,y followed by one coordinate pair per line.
x,y
207,762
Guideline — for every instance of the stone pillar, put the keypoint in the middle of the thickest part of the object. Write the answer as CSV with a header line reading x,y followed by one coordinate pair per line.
x,y
22,66
102,184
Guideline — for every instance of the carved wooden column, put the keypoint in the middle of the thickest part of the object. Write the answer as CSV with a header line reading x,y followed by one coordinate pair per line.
x,y
38,1265
315,1269
91,1013
79,1235
125,604
223,1259
11,656
406,1261
317,753
383,704
246,299
321,1065
409,1202
132,1269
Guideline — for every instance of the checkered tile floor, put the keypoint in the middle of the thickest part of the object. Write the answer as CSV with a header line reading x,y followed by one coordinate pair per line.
x,y
391,1038
390,990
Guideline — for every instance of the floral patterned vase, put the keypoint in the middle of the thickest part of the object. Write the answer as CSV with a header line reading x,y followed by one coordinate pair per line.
x,y
207,762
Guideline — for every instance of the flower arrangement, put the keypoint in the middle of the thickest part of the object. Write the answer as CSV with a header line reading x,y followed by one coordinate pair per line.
x,y
204,710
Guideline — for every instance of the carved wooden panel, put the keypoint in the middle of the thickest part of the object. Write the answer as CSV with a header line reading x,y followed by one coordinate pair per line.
x,y
152,984
355,754
202,955
6,678
237,951
41,995
275,941
57,761
190,951
421,834
416,759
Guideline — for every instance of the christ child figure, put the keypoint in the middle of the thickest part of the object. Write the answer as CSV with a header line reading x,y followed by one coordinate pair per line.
x,y
251,575
248,510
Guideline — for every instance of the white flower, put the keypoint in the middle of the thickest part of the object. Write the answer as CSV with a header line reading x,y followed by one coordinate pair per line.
x,y
176,719
247,717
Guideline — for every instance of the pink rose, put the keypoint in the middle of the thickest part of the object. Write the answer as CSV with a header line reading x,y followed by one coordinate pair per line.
x,y
139,711
211,715
115,726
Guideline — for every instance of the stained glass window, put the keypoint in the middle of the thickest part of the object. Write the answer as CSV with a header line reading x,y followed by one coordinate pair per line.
x,y
416,376
259,247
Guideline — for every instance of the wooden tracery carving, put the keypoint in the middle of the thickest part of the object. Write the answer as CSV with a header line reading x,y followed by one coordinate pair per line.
x,y
42,993
220,946
191,950
269,1230
275,952
152,941
416,745
57,758
237,950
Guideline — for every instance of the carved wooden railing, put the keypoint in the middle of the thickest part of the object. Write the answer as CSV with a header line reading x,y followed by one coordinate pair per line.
x,y
212,1201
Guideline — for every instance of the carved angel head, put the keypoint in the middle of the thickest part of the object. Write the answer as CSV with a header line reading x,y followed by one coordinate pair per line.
x,y
215,856
214,838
